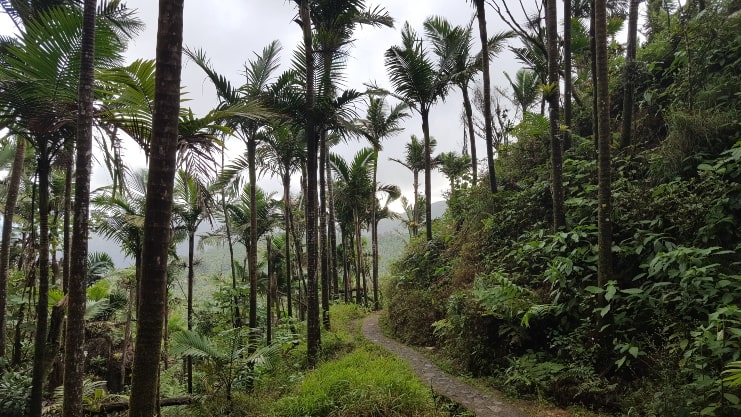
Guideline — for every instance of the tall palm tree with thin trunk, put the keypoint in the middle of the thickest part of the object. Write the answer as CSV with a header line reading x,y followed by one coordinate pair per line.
x,y
258,74
628,75
488,131
193,204
355,189
553,96
282,152
157,220
420,83
377,125
444,37
414,160
39,73
604,142
313,332
75,333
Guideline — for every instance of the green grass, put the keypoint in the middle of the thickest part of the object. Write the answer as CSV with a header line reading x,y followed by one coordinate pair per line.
x,y
365,383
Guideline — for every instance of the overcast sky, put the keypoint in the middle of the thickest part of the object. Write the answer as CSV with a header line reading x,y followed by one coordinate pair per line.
x,y
231,31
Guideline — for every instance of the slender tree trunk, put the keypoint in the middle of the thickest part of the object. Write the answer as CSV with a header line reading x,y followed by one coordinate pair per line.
x,y
628,75
287,215
417,219
374,233
191,283
11,197
252,250
593,63
157,230
323,239
358,260
604,263
133,302
42,313
559,218
74,359
428,173
269,292
481,15
345,266
313,337
567,79
334,278
67,224
471,133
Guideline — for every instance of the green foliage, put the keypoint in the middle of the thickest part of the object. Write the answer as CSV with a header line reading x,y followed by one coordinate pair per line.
x,y
365,383
15,388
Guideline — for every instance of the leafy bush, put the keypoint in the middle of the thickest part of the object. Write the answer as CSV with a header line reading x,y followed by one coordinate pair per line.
x,y
365,383
15,388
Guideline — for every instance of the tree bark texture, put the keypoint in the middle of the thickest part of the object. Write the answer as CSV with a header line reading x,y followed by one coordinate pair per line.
x,y
559,218
488,130
158,213
74,342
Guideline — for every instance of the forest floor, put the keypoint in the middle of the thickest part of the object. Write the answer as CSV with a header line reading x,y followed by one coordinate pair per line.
x,y
483,403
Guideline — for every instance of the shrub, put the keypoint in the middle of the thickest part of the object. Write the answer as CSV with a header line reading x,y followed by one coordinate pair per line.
x,y
365,383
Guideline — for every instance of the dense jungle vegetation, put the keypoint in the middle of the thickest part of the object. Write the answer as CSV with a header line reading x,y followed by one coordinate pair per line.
x,y
589,255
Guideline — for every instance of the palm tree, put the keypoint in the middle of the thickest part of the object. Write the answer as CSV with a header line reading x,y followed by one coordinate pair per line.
x,y
11,198
525,88
414,160
628,75
355,189
158,214
459,39
258,73
419,83
283,153
453,166
39,77
604,244
313,332
74,345
553,97
488,133
378,125
193,204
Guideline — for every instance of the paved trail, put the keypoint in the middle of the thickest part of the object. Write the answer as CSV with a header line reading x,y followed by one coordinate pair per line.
x,y
481,403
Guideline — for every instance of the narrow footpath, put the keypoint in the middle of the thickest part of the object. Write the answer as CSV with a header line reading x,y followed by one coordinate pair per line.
x,y
475,400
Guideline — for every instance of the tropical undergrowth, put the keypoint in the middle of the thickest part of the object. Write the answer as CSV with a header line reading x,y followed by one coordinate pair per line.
x,y
508,299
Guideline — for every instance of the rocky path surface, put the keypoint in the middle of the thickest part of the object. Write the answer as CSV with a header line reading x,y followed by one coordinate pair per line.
x,y
475,400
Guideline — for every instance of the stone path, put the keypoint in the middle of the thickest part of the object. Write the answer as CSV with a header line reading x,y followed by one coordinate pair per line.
x,y
476,401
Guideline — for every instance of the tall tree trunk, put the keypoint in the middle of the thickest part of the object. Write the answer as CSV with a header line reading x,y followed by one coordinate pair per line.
x,y
313,337
559,219
42,313
332,234
358,259
428,173
471,133
252,250
604,262
417,218
67,224
157,230
489,135
374,233
269,292
593,63
74,342
568,87
11,197
191,283
628,75
345,265
287,215
323,238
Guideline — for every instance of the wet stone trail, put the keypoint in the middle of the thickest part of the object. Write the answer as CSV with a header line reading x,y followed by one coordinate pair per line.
x,y
473,399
